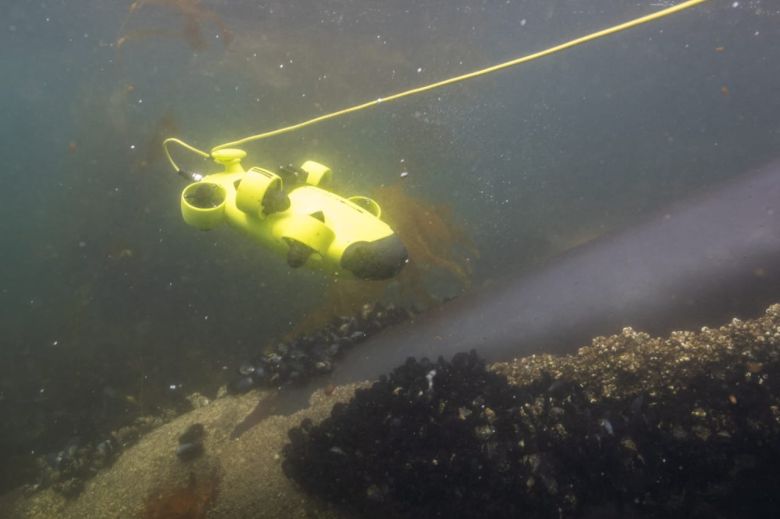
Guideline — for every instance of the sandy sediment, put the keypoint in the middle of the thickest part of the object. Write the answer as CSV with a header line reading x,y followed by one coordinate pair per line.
x,y
234,478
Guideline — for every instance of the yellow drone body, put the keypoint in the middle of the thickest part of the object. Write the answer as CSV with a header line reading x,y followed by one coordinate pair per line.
x,y
292,213
297,215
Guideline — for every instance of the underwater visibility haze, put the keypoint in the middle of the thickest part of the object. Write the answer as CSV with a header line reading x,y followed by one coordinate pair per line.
x,y
630,181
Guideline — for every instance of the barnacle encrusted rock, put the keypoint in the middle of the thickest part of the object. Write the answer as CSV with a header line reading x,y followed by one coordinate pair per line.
x,y
687,425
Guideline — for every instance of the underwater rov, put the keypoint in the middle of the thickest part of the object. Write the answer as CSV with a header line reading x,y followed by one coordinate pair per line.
x,y
293,213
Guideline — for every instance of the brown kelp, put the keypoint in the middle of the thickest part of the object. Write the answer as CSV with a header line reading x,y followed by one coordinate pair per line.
x,y
439,250
192,16
433,240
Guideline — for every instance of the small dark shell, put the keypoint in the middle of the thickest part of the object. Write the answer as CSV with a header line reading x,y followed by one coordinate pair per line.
x,y
193,434
189,451
240,385
259,375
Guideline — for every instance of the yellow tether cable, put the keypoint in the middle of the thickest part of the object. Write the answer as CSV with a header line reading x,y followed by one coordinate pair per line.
x,y
184,145
457,79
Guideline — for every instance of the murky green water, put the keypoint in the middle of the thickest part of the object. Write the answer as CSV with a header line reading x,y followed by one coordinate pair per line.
x,y
112,307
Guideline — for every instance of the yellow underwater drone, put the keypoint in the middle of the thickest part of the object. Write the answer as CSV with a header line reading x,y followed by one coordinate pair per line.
x,y
293,213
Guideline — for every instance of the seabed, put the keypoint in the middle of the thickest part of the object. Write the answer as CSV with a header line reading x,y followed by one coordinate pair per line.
x,y
243,477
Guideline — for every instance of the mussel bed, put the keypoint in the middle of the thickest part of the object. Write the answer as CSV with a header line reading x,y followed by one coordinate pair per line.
x,y
629,427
